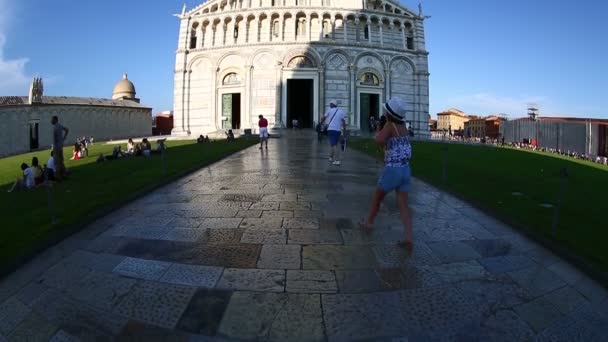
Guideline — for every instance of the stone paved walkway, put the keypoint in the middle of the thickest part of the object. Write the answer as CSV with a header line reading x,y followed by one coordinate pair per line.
x,y
264,245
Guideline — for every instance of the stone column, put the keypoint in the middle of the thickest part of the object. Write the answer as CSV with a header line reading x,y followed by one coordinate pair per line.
x,y
257,30
224,37
322,33
199,35
369,31
279,92
214,71
381,35
357,35
321,91
345,26
353,76
270,32
404,36
309,28
214,38
332,22
387,84
248,93
281,25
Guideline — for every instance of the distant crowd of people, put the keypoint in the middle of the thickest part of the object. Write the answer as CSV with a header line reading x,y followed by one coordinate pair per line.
x,y
203,139
143,148
572,154
81,147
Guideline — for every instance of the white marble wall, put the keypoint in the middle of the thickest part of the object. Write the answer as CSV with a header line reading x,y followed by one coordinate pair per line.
x,y
104,123
261,58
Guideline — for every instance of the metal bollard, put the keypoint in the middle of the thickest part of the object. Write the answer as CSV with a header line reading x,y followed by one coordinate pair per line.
x,y
49,197
445,163
562,188
163,161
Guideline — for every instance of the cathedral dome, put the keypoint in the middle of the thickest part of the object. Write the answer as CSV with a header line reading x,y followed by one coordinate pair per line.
x,y
124,89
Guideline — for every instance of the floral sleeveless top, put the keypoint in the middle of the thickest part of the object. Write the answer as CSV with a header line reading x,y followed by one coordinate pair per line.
x,y
398,152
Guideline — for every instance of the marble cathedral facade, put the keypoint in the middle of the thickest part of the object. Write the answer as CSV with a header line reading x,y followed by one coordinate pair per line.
x,y
286,59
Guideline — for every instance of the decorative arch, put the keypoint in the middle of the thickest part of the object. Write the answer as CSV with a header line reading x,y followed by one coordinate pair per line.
x,y
231,79
372,54
370,77
311,54
337,59
228,55
197,61
252,58
301,62
402,64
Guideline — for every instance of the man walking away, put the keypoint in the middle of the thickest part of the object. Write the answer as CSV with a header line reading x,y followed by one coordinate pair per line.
x,y
263,124
336,123
59,135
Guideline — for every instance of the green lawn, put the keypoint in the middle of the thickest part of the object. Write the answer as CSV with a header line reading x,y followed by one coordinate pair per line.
x,y
92,188
488,177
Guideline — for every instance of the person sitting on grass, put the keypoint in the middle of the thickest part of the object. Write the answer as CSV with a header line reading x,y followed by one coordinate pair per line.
x,y
230,135
130,146
76,152
37,172
200,139
146,147
25,183
207,139
160,146
49,170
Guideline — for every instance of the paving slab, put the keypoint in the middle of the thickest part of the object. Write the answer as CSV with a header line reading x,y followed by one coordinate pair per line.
x,y
158,304
192,275
204,312
142,269
311,282
273,316
267,247
280,257
252,280
337,258
12,312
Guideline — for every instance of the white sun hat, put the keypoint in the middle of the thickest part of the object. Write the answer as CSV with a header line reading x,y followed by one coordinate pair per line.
x,y
396,108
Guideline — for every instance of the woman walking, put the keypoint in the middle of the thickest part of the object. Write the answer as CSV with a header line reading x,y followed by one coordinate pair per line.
x,y
396,175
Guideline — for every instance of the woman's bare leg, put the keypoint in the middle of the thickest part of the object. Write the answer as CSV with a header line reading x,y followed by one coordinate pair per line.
x,y
373,211
406,218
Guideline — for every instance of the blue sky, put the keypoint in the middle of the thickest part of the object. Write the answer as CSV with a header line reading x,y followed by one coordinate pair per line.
x,y
487,56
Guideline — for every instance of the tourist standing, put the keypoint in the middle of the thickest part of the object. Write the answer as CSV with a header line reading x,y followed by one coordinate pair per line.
x,y
263,124
336,123
396,175
59,135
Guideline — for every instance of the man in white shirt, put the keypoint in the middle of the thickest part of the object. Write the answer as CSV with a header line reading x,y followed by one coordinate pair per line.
x,y
336,122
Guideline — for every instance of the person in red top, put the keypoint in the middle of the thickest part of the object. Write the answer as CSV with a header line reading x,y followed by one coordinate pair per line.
x,y
263,124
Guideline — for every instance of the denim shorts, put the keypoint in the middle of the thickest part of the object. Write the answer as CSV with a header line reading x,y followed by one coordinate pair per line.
x,y
395,178
334,137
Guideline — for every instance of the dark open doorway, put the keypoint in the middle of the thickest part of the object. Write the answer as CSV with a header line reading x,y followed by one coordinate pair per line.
x,y
231,109
34,143
368,105
300,102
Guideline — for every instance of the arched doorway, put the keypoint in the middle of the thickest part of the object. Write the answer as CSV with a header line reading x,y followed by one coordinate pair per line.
x,y
300,84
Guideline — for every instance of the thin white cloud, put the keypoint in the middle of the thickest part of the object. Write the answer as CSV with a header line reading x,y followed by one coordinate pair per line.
x,y
13,77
